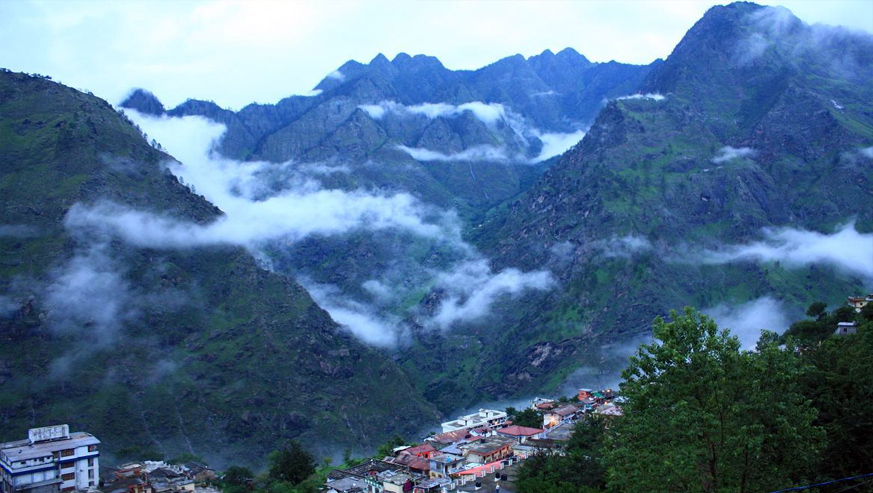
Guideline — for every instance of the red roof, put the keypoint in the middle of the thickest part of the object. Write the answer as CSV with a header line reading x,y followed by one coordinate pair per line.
x,y
420,450
451,436
519,431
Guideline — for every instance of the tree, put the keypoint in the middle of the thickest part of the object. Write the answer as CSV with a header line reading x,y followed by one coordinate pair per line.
x,y
238,475
703,416
817,310
292,464
526,417
579,469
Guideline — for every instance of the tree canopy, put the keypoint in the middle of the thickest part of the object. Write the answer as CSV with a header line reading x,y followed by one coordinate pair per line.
x,y
292,463
703,416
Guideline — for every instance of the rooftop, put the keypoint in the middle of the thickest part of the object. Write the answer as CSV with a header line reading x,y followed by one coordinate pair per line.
x,y
519,431
21,450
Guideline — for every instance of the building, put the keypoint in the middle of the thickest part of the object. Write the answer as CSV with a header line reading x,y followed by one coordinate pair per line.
x,y
488,450
484,418
520,433
846,328
51,459
859,302
443,466
557,416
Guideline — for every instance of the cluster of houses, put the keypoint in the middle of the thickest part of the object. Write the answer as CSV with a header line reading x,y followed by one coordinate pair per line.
x,y
155,477
470,449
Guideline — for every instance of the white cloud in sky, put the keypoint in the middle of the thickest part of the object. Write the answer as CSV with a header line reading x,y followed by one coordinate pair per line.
x,y
846,249
747,320
728,153
236,52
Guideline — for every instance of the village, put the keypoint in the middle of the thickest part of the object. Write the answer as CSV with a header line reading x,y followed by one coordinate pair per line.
x,y
475,452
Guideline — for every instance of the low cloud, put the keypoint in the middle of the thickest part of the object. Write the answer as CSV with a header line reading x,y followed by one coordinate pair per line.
x,y
90,298
651,95
489,113
624,246
336,74
555,144
747,320
262,201
477,153
362,320
544,93
728,153
472,288
269,205
866,152
847,250
775,30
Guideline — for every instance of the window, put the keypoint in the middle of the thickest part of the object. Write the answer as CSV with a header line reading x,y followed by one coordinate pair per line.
x,y
68,452
90,462
92,448
90,473
68,477
68,465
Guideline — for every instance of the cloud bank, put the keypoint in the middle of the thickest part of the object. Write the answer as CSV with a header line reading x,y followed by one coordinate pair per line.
x,y
847,250
476,153
489,113
270,205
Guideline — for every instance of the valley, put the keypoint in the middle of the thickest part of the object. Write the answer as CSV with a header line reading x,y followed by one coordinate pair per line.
x,y
409,241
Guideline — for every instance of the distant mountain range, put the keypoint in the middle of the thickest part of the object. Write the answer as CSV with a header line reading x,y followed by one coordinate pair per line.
x,y
720,177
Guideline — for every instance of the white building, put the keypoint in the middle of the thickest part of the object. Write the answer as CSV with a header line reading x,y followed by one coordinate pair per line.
x,y
51,460
485,417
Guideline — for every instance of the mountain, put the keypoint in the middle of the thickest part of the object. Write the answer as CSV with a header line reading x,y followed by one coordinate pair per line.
x,y
192,349
755,121
470,139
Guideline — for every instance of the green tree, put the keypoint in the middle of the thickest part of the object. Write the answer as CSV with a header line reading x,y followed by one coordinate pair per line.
x,y
292,464
238,475
579,469
703,416
841,385
817,310
526,417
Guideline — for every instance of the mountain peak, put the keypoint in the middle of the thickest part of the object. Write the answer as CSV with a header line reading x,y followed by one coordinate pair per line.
x,y
143,101
379,60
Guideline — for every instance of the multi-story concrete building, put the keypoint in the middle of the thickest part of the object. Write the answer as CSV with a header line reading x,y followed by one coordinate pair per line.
x,y
484,418
50,460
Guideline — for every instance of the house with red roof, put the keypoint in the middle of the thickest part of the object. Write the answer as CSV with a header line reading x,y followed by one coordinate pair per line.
x,y
520,433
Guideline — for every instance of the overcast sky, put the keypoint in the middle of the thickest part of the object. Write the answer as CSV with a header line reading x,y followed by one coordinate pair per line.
x,y
239,52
